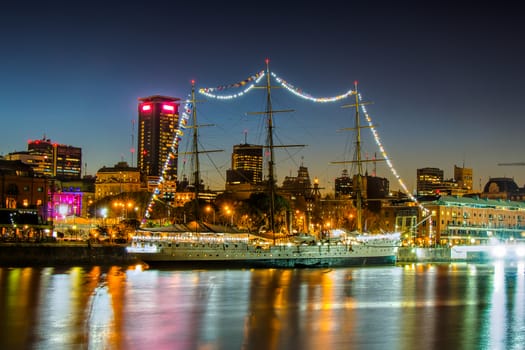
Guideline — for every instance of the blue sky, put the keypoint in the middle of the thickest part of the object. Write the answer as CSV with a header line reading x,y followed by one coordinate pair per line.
x,y
446,81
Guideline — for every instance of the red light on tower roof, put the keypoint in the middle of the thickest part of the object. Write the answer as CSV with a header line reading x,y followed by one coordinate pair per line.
x,y
168,107
146,108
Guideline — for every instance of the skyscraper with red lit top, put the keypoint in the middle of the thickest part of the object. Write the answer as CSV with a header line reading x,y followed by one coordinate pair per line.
x,y
157,124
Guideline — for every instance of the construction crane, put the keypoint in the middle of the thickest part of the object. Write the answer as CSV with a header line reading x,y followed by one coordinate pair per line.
x,y
515,163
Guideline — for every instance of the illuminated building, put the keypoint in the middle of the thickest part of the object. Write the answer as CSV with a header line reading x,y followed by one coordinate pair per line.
x,y
429,180
246,173
464,177
121,178
247,164
19,188
55,160
469,220
41,164
343,185
158,122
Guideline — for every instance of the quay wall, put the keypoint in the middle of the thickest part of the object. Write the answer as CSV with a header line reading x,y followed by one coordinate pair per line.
x,y
51,254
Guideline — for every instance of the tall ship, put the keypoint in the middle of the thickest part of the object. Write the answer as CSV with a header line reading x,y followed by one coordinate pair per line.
x,y
202,244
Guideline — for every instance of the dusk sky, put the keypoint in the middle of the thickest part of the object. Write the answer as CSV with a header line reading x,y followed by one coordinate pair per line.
x,y
446,82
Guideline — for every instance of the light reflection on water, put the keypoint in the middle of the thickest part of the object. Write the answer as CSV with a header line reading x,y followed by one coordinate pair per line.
x,y
419,306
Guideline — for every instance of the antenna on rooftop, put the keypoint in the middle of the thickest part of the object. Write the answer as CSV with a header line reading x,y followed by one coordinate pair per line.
x,y
132,148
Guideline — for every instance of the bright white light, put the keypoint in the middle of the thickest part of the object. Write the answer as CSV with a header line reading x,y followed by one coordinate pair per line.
x,y
520,251
499,251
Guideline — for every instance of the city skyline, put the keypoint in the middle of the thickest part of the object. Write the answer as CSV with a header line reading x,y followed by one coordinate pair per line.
x,y
444,81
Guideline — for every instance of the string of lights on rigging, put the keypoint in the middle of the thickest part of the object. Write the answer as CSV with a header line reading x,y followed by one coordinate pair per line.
x,y
251,82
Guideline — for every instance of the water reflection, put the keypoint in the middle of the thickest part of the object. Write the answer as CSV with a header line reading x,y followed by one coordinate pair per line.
x,y
419,306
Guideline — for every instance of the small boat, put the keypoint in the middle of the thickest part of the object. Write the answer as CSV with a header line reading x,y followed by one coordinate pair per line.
x,y
204,245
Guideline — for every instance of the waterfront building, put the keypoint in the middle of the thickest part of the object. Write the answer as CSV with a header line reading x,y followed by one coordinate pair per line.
x,y
472,220
71,198
121,178
158,122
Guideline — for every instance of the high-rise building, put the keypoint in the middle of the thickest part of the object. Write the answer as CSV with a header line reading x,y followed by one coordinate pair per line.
x,y
463,176
158,121
50,159
246,173
429,180
247,165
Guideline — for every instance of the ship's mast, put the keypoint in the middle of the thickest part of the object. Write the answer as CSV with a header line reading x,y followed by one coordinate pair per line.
x,y
271,176
269,112
358,157
196,174
195,153
359,179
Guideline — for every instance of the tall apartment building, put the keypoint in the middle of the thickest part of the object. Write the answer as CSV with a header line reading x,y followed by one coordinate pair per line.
x,y
158,121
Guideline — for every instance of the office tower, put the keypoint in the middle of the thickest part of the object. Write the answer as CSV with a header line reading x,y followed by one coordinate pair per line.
x,y
247,165
429,180
63,162
157,124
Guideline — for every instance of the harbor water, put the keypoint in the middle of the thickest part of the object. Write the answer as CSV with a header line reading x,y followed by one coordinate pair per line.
x,y
407,306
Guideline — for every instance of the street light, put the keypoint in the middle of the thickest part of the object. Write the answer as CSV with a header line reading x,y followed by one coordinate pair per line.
x,y
229,212
208,209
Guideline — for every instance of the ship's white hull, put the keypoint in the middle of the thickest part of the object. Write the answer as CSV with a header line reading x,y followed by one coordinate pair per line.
x,y
247,255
